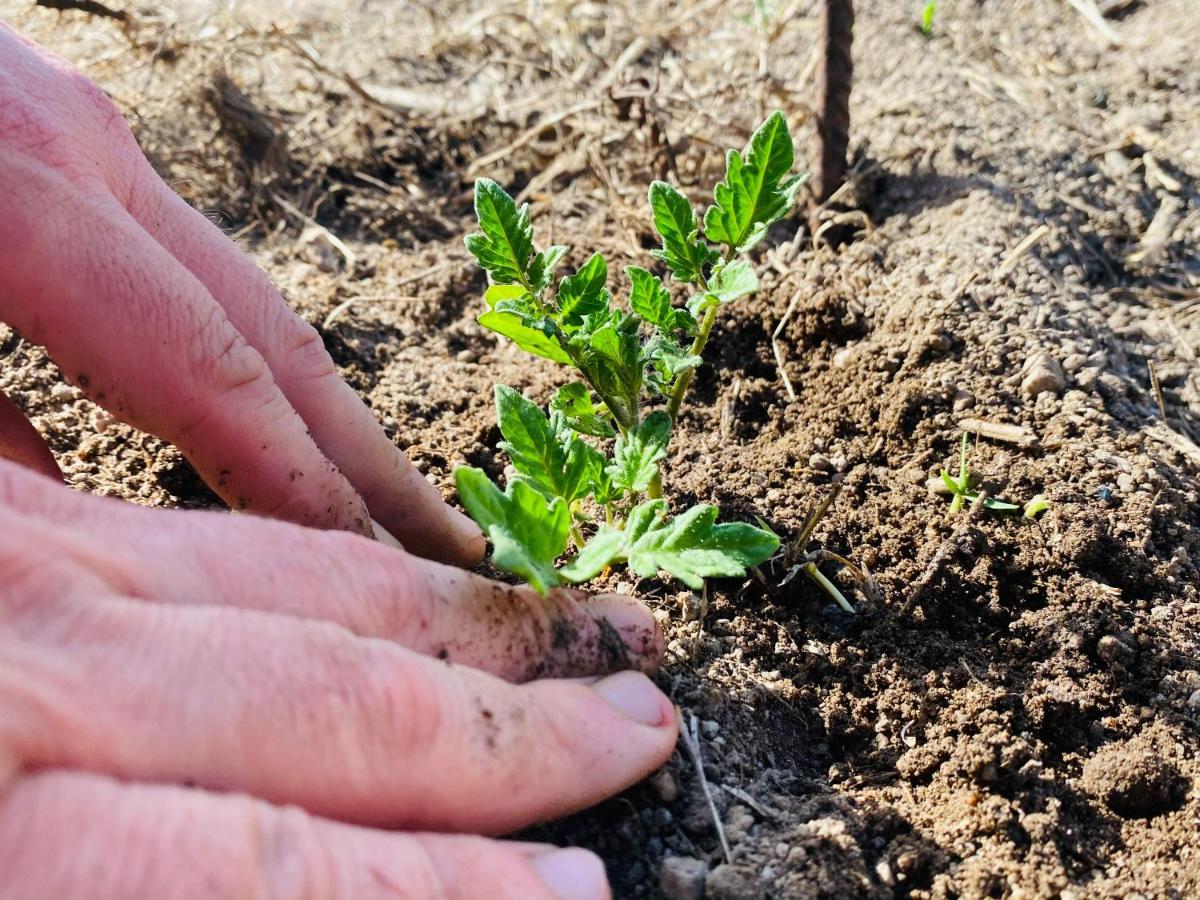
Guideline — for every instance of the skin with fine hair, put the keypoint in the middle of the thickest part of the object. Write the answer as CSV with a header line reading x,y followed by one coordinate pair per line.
x,y
195,704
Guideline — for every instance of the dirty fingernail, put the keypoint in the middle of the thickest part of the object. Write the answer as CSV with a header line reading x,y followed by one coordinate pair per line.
x,y
572,874
635,696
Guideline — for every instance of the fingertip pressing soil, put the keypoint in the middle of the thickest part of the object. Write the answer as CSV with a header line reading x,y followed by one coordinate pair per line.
x,y
1024,255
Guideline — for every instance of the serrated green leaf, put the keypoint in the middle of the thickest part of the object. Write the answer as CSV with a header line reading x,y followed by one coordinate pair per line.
x,y
643,517
693,547
541,270
606,349
637,453
505,247
666,360
555,467
512,326
754,193
648,298
528,532
583,294
682,250
602,550
733,281
503,293
574,401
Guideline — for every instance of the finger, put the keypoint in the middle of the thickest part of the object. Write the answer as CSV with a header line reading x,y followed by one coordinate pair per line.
x,y
21,443
375,591
143,337
299,712
66,834
397,495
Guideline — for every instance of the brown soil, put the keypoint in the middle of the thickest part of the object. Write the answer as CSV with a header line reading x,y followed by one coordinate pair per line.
x,y
1028,725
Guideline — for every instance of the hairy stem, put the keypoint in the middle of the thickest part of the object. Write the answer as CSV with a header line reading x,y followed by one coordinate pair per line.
x,y
685,380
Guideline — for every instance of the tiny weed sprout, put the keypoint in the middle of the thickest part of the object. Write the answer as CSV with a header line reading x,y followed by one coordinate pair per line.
x,y
589,469
927,14
1037,505
960,491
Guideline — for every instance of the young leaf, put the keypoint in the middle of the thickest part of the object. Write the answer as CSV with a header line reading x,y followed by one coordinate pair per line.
x,y
643,517
504,295
676,222
536,450
733,281
648,298
699,304
602,550
574,401
636,455
927,14
583,293
541,270
506,244
667,359
606,348
527,531
531,340
693,547
752,196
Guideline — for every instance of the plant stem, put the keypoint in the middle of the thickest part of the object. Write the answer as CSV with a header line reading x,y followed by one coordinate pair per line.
x,y
828,586
654,491
685,380
577,536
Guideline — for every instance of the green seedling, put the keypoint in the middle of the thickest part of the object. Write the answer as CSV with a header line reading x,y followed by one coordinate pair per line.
x,y
1037,505
960,491
798,558
927,14
589,468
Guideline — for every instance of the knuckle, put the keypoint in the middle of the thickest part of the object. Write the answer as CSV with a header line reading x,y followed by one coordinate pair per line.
x,y
304,357
392,588
414,724
370,703
292,860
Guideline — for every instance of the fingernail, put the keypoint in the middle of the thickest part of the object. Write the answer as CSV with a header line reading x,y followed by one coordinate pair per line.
x,y
466,530
572,874
634,696
384,536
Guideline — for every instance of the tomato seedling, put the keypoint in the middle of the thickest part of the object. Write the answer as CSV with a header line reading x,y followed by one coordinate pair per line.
x,y
633,368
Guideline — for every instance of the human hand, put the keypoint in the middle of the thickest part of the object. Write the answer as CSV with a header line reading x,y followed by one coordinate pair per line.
x,y
175,687
158,317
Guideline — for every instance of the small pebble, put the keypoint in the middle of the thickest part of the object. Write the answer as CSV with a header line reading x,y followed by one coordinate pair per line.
x,y
730,882
665,785
1042,373
682,878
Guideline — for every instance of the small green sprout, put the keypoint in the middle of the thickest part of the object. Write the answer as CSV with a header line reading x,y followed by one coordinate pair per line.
x,y
960,486
1037,505
927,14
589,469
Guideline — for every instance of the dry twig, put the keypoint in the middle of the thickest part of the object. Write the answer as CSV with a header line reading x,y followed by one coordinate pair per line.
x,y
689,733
